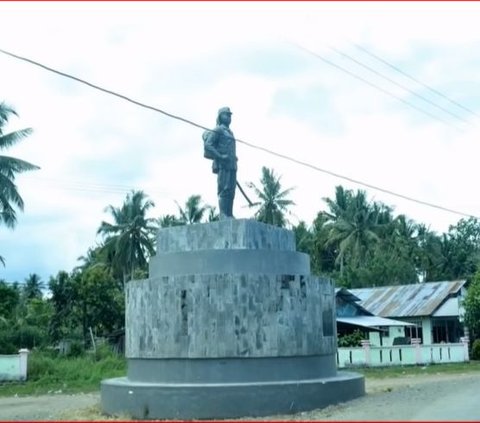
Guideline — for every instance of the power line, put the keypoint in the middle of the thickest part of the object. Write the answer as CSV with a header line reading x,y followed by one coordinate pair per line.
x,y
266,150
87,186
66,75
396,68
399,85
329,62
95,188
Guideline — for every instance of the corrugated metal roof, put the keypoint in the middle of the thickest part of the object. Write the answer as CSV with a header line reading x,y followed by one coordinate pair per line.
x,y
372,321
420,299
347,294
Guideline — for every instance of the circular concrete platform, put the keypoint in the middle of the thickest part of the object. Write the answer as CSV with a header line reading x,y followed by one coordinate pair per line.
x,y
142,400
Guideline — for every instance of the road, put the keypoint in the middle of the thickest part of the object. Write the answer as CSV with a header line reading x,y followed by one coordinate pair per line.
x,y
446,397
461,401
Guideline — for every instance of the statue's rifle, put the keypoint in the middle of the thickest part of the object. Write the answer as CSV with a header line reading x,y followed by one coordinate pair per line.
x,y
245,195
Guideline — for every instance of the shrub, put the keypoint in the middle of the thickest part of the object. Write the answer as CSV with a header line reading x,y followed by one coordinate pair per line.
x,y
104,351
76,349
6,343
27,337
351,340
40,365
476,350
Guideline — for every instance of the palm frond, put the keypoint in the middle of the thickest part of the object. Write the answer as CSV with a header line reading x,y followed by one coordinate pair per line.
x,y
7,140
6,111
10,166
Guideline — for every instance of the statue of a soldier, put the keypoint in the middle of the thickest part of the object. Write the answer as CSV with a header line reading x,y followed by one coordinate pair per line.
x,y
219,145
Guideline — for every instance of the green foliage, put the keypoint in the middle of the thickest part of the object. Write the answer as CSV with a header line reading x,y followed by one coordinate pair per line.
x,y
100,302
213,215
6,344
9,168
9,299
355,226
48,372
361,243
169,220
63,300
104,352
40,365
89,298
76,349
25,324
33,286
272,205
476,350
193,211
37,312
16,337
129,239
28,337
351,340
472,307
303,237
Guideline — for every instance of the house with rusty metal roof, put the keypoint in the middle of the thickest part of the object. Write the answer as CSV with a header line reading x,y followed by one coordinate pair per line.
x,y
352,316
435,308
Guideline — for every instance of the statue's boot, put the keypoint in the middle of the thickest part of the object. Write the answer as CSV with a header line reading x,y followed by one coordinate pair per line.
x,y
223,206
230,208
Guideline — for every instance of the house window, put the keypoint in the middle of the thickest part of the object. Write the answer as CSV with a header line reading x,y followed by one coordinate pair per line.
x,y
446,329
414,331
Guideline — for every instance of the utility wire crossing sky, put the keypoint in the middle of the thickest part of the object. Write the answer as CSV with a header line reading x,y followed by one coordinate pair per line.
x,y
292,159
385,99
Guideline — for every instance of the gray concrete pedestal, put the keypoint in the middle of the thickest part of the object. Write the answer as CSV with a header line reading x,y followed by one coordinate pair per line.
x,y
229,324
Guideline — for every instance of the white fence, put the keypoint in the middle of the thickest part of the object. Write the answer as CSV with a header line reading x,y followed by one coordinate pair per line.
x,y
371,356
14,367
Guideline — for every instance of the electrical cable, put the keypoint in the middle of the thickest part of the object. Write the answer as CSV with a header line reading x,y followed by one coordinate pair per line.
x,y
399,85
283,156
329,62
396,68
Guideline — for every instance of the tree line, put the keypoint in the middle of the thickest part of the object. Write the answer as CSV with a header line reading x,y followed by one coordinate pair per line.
x,y
356,241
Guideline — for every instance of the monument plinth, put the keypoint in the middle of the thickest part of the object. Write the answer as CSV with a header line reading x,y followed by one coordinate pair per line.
x,y
230,323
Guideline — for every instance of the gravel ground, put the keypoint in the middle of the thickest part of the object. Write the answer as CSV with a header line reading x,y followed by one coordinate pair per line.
x,y
419,397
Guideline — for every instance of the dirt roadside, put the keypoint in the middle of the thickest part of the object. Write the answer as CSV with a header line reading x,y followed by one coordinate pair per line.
x,y
401,398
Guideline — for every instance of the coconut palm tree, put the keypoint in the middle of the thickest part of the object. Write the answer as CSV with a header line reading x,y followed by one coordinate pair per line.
x,y
129,239
33,287
9,168
354,225
193,211
213,215
95,257
168,220
273,202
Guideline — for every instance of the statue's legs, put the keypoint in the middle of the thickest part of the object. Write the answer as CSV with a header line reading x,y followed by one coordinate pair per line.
x,y
226,192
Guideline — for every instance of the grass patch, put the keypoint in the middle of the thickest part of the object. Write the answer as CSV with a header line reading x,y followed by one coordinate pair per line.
x,y
55,374
401,371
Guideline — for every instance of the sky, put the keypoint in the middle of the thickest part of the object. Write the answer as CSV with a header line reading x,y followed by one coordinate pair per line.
x,y
385,93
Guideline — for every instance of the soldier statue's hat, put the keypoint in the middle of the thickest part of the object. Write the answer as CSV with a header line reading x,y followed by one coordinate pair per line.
x,y
224,110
